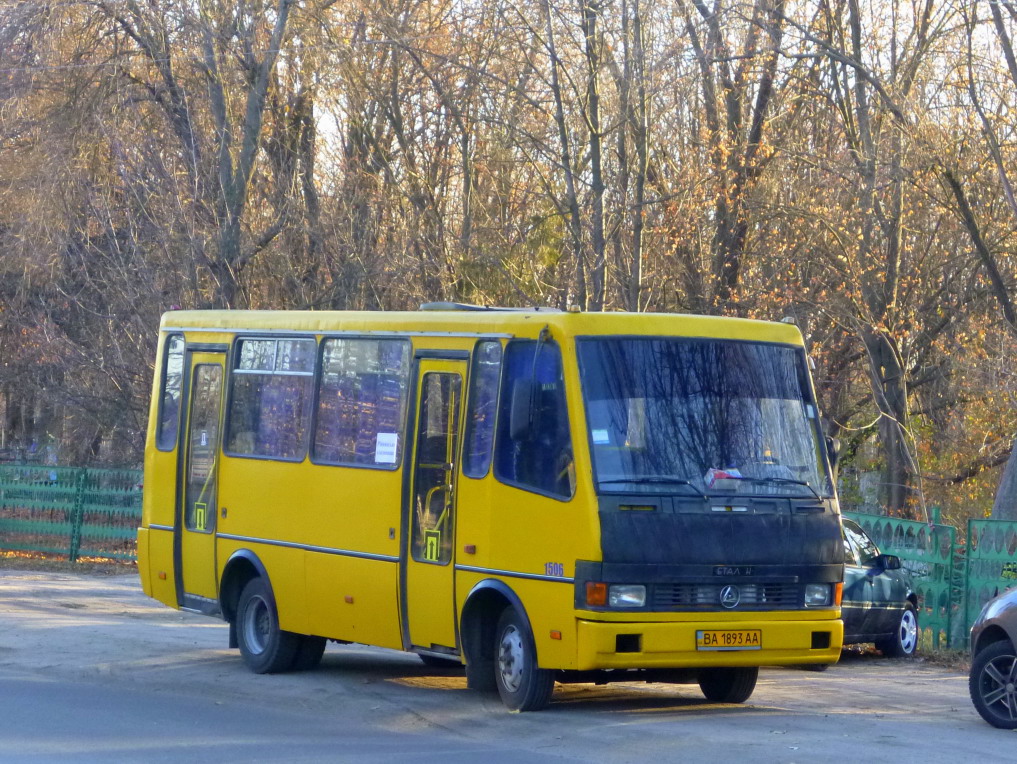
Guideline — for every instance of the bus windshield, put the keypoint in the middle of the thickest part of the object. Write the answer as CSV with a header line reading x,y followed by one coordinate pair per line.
x,y
701,417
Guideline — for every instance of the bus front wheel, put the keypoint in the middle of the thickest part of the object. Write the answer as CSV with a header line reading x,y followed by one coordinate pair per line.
x,y
728,685
522,685
266,649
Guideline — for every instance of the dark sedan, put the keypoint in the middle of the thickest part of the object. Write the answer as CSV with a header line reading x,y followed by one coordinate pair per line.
x,y
880,604
993,678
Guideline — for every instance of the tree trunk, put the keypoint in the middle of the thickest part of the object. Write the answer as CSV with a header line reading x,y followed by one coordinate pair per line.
x,y
571,205
598,272
1004,507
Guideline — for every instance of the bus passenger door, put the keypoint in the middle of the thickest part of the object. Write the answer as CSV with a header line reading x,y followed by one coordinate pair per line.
x,y
195,526
429,596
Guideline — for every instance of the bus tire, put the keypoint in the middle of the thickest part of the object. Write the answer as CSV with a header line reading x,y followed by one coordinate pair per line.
x,y
480,676
522,685
308,653
266,649
728,684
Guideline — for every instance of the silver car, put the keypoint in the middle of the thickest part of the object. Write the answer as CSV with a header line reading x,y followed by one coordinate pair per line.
x,y
993,678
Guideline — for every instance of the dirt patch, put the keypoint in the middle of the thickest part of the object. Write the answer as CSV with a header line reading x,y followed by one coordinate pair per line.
x,y
953,660
52,564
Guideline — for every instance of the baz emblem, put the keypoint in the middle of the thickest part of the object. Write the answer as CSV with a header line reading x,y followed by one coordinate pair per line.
x,y
730,596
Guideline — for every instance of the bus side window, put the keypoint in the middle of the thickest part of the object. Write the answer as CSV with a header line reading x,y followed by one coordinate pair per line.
x,y
362,395
270,401
541,460
483,406
169,401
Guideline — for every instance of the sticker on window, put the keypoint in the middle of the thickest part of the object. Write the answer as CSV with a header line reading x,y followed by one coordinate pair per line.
x,y
601,437
721,479
385,448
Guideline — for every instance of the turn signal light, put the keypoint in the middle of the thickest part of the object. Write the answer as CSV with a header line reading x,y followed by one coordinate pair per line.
x,y
596,593
838,593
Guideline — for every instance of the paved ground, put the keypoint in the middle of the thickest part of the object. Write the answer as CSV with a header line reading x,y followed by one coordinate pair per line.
x,y
91,670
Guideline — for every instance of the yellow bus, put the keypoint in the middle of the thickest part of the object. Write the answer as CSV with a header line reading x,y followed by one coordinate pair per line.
x,y
538,495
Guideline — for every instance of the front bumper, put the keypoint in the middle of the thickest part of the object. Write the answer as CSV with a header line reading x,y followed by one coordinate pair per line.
x,y
633,645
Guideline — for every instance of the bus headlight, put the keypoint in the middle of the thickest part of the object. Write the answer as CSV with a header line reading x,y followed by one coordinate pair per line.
x,y
626,595
818,595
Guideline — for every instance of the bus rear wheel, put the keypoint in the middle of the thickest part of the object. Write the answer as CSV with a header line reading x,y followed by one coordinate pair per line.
x,y
308,653
266,649
728,685
521,684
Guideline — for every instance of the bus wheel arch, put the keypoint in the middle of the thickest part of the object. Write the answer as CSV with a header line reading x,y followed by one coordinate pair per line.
x,y
489,607
522,684
484,606
242,566
265,648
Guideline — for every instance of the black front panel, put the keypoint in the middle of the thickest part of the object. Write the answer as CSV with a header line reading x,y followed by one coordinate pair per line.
x,y
719,531
687,550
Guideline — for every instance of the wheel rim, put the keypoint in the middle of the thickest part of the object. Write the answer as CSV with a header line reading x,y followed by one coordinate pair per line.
x,y
908,632
257,624
511,658
998,687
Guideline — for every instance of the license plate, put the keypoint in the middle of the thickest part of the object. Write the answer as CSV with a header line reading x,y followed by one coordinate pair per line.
x,y
729,639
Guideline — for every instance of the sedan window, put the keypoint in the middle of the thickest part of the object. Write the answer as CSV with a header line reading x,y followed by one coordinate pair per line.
x,y
865,551
850,556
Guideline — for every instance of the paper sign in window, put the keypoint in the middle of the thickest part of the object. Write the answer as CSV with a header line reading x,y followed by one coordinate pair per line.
x,y
385,448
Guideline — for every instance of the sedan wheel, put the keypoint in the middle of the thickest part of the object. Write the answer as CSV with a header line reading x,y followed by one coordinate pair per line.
x,y
993,684
904,642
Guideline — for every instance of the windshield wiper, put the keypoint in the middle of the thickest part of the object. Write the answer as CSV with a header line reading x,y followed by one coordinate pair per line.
x,y
789,481
654,480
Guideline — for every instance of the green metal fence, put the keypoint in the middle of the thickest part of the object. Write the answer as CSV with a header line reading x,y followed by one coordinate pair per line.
x,y
70,511
991,563
95,513
927,551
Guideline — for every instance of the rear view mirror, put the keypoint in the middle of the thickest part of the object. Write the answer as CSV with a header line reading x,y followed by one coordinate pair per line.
x,y
521,413
890,562
833,452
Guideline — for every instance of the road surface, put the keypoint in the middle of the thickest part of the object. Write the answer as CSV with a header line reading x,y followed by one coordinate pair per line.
x,y
91,670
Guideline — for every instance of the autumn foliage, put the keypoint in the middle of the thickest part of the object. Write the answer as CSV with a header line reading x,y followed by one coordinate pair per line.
x,y
845,164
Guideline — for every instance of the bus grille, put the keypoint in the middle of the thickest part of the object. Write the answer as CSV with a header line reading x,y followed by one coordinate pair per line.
x,y
707,597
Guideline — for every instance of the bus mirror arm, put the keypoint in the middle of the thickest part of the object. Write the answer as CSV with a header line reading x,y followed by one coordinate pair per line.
x,y
521,413
524,396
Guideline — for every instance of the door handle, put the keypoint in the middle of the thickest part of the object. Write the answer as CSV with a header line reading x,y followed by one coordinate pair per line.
x,y
222,513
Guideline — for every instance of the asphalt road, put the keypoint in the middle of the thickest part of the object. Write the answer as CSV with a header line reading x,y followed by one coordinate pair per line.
x,y
91,670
